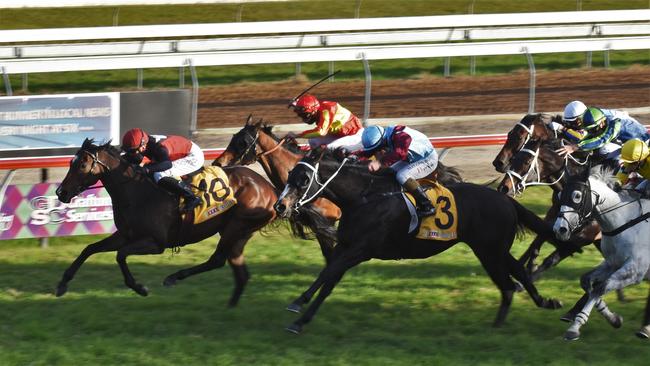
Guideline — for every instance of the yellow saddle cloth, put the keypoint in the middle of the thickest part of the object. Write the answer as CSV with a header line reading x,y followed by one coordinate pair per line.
x,y
212,185
443,225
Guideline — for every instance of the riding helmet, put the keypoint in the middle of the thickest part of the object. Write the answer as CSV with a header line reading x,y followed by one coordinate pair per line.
x,y
573,111
372,137
133,139
634,150
592,118
306,103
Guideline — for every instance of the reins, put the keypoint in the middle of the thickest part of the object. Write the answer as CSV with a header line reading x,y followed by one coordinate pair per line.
x,y
314,178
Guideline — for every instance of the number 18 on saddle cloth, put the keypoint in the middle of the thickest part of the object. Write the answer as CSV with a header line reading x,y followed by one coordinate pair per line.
x,y
212,185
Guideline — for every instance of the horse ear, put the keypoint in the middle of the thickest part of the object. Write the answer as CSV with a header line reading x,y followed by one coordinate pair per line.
x,y
87,143
249,119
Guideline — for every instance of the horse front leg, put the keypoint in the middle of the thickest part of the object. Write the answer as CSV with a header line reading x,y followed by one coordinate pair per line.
x,y
143,246
573,333
528,258
241,276
644,332
109,244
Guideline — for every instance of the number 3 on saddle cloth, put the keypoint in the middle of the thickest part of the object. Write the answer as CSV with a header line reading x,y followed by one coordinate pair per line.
x,y
211,184
443,225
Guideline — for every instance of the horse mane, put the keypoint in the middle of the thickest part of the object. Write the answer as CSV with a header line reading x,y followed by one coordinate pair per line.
x,y
605,175
89,144
291,145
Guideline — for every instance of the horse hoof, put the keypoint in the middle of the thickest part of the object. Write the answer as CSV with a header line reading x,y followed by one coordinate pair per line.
x,y
568,317
141,290
644,333
571,335
294,308
294,328
169,281
553,304
61,290
617,322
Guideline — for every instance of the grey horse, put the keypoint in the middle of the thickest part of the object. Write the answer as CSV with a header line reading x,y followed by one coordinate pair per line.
x,y
623,217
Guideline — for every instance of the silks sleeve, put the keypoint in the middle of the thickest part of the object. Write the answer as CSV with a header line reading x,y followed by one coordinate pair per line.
x,y
599,141
321,128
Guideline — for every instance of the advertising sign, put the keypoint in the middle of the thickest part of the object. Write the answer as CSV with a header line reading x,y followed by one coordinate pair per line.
x,y
33,211
58,121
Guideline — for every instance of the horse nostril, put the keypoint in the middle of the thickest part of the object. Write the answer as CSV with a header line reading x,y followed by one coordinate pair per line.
x,y
502,189
563,230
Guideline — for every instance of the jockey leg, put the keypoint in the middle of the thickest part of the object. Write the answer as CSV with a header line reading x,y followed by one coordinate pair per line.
x,y
424,205
182,189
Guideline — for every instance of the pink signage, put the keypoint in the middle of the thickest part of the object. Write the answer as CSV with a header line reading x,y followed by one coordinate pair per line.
x,y
33,211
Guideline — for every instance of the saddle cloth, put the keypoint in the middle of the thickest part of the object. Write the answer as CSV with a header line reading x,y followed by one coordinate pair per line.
x,y
443,225
211,184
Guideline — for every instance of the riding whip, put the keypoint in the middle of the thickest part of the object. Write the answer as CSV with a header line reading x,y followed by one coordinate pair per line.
x,y
312,87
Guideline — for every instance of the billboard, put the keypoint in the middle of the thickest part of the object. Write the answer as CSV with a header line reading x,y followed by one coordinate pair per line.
x,y
46,122
33,211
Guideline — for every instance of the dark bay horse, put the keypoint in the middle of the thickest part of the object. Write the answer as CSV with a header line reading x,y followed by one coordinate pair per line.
x,y
528,158
148,218
256,142
375,223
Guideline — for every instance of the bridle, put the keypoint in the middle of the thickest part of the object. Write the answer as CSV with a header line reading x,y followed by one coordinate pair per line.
x,y
95,162
252,146
314,179
519,188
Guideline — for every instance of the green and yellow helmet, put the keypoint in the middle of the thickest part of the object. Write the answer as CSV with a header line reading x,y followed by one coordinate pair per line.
x,y
634,150
592,118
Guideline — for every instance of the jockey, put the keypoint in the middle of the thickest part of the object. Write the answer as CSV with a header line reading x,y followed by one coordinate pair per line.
x,y
335,125
408,153
599,129
635,156
169,157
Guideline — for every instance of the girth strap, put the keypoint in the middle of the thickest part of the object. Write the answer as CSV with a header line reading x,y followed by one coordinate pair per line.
x,y
627,225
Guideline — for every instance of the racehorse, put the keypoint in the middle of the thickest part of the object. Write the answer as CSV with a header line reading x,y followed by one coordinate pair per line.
x,y
532,160
257,142
148,218
375,224
625,244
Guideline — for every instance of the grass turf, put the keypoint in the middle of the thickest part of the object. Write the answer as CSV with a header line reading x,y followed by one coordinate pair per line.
x,y
433,311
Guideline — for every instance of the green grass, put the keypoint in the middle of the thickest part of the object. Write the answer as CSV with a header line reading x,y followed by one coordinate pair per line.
x,y
427,312
387,69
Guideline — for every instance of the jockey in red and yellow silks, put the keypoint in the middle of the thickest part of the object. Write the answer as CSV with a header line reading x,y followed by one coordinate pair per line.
x,y
335,127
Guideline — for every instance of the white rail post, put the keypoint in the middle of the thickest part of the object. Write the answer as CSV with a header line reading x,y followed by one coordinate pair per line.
x,y
531,90
366,101
7,81
467,36
195,95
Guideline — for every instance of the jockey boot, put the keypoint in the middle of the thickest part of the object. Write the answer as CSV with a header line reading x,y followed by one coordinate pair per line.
x,y
424,205
182,189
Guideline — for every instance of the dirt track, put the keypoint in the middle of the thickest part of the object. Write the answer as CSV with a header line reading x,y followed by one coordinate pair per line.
x,y
438,96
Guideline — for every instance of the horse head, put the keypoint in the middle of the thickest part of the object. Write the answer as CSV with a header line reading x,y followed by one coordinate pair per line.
x,y
242,149
89,164
576,205
531,127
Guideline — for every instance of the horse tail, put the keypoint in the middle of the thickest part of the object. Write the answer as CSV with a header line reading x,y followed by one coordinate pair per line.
x,y
527,219
448,174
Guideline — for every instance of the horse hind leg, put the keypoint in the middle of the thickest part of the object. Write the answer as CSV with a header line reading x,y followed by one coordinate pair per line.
x,y
241,276
644,332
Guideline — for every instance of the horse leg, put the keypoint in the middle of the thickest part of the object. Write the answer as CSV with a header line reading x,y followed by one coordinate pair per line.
x,y
620,295
571,314
573,333
644,332
612,318
146,246
241,276
331,275
528,258
519,273
109,244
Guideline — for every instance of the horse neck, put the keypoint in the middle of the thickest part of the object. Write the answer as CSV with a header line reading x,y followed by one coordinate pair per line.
x,y
278,162
613,209
122,182
352,183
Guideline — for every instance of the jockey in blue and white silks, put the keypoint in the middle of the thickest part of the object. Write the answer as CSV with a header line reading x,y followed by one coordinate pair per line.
x,y
408,153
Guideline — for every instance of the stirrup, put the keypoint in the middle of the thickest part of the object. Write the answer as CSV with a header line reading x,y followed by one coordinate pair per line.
x,y
191,204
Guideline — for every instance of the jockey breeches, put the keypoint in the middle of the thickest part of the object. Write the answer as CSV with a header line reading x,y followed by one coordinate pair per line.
x,y
186,165
350,143
417,169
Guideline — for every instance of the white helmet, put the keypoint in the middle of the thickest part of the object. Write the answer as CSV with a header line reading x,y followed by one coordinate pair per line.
x,y
573,111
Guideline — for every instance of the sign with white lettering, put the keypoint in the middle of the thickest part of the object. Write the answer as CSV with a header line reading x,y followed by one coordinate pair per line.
x,y
33,211
58,121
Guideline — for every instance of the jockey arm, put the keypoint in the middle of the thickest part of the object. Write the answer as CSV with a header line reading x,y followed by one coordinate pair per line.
x,y
399,152
160,159
322,126
596,142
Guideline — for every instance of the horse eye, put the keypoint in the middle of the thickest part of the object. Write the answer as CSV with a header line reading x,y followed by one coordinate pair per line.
x,y
576,197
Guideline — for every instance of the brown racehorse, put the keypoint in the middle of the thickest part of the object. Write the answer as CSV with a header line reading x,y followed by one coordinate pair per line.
x,y
148,218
